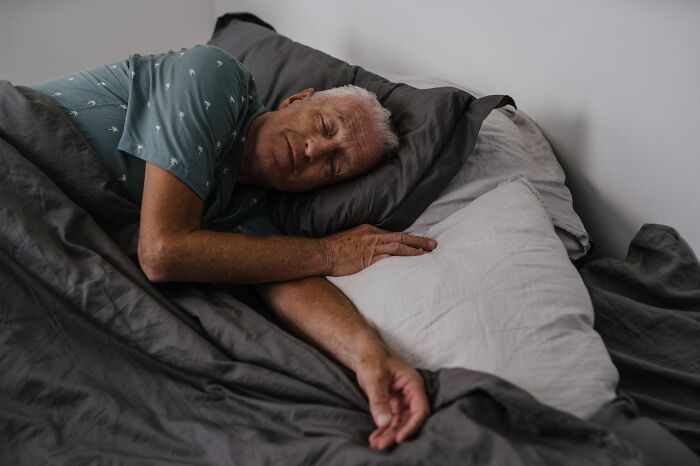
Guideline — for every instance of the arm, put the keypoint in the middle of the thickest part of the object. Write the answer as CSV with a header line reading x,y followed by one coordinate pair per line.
x,y
320,313
172,247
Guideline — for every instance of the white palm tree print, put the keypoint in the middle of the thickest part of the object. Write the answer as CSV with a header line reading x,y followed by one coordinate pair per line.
x,y
200,149
139,148
207,104
73,112
113,129
173,162
167,86
218,145
181,114
92,102
191,72
219,63
123,106
157,129
231,99
122,178
56,94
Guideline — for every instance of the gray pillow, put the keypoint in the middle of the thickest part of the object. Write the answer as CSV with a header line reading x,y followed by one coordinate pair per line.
x,y
508,144
437,130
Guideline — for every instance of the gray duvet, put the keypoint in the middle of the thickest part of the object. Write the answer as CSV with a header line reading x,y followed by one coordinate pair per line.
x,y
99,366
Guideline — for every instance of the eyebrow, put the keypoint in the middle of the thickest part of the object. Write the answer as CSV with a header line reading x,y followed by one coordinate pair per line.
x,y
343,157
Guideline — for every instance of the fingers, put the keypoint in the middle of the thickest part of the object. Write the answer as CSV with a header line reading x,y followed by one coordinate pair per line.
x,y
377,391
418,242
385,437
397,249
405,422
418,408
401,244
379,257
382,438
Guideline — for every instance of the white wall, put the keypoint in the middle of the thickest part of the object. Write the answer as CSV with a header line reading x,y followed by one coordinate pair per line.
x,y
615,85
42,39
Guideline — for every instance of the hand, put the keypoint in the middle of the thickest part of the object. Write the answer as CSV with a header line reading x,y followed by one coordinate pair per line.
x,y
350,251
397,399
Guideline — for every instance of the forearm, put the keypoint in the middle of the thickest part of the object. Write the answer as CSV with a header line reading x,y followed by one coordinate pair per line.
x,y
210,256
321,314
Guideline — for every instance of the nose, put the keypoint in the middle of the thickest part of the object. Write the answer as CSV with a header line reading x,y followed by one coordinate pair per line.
x,y
318,148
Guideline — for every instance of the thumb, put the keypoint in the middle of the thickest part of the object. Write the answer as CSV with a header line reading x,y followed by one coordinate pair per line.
x,y
378,395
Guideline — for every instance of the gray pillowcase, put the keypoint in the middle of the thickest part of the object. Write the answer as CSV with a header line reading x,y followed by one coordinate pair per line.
x,y
510,143
437,130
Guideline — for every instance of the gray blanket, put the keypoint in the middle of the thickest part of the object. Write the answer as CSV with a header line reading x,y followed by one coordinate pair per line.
x,y
99,366
648,313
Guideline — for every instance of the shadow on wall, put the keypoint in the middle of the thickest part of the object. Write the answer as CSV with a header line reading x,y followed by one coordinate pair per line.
x,y
599,215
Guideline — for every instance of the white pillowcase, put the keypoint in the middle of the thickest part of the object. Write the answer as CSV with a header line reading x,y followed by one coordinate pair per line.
x,y
498,295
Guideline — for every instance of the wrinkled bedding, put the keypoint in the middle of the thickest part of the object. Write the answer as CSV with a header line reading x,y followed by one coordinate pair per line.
x,y
648,314
99,366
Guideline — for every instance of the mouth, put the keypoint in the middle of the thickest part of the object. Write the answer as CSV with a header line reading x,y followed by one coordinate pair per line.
x,y
290,154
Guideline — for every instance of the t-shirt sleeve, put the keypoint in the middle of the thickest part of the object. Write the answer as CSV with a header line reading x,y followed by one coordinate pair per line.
x,y
184,109
260,224
252,217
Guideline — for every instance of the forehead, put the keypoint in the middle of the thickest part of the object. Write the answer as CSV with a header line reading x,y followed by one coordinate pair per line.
x,y
346,108
354,116
357,131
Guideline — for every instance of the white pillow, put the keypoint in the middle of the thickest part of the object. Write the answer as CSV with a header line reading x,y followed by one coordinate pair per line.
x,y
497,295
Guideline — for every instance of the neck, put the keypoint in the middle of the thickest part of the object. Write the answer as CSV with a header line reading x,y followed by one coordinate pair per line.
x,y
249,172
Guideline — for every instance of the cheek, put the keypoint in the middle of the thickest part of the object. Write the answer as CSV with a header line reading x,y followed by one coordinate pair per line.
x,y
267,149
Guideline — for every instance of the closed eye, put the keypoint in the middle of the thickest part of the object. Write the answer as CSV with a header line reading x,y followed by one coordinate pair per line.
x,y
324,127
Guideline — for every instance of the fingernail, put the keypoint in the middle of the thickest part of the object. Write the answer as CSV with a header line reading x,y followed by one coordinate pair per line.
x,y
433,243
383,419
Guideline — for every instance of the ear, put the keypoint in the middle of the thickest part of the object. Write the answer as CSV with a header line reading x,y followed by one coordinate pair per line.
x,y
306,93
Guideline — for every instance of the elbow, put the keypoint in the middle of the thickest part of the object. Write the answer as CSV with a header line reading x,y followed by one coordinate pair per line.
x,y
153,260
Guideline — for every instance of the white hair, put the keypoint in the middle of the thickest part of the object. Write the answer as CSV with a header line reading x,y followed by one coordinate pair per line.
x,y
380,115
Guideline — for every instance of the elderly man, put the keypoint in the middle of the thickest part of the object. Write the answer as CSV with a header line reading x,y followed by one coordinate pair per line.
x,y
183,131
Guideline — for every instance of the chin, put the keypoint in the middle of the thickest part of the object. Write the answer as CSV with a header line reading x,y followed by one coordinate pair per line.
x,y
286,188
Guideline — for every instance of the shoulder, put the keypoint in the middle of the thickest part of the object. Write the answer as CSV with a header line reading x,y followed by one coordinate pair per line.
x,y
212,58
199,56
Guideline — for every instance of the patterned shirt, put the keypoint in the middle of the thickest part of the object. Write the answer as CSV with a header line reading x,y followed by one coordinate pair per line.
x,y
187,112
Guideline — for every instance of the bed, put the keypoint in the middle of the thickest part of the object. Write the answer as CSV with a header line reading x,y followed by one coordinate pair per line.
x,y
100,366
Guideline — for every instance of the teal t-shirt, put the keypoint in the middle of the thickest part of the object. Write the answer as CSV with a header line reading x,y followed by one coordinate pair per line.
x,y
187,111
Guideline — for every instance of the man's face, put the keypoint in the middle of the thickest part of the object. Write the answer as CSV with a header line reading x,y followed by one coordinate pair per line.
x,y
309,143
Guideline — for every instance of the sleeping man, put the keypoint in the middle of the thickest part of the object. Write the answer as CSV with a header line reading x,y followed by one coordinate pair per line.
x,y
182,130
